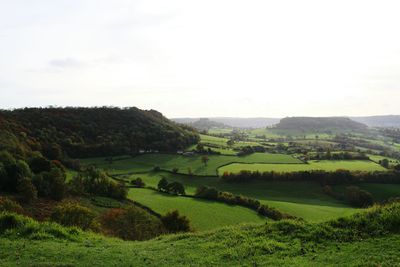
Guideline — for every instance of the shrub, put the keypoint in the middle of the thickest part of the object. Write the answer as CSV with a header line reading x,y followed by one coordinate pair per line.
x,y
27,190
162,184
131,223
357,197
206,192
138,182
174,223
176,188
270,212
9,205
175,170
73,214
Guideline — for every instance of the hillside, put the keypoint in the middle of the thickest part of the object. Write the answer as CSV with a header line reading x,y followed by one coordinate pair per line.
x,y
370,238
319,124
206,124
84,132
379,121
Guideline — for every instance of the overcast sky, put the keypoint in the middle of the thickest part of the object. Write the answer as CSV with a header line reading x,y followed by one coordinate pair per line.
x,y
203,58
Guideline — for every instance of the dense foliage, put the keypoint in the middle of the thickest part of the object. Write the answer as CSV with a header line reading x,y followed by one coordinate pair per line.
x,y
89,132
323,177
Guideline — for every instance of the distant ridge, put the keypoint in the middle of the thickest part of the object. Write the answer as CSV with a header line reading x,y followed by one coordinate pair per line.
x,y
258,122
318,124
379,121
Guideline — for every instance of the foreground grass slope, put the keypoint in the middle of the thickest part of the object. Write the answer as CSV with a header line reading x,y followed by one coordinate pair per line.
x,y
367,239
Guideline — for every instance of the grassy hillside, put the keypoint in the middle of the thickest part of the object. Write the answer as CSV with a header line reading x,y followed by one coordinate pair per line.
x,y
197,210
319,124
368,239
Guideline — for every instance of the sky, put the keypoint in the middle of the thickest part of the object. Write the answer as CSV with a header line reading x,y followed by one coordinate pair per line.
x,y
203,58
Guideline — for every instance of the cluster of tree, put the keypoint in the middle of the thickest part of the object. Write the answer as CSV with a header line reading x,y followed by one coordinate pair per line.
x,y
138,182
59,133
95,182
353,195
328,155
33,177
323,177
229,198
246,150
175,188
202,150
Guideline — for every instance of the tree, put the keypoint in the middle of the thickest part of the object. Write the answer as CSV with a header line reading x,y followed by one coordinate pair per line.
x,y
357,197
176,188
385,163
230,142
27,190
163,184
205,159
138,182
174,223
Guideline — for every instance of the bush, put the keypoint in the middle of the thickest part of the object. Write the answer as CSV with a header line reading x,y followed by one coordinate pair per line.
x,y
27,190
73,214
9,205
162,184
270,212
131,223
138,182
175,223
357,197
206,192
176,188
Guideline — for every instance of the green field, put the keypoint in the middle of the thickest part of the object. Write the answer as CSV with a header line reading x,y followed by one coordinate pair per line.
x,y
302,199
168,162
326,165
203,214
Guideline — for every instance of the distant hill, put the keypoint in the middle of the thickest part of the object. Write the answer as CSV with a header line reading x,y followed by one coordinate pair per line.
x,y
89,132
235,122
206,124
379,121
319,124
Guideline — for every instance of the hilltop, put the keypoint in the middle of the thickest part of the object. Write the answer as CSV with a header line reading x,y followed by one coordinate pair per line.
x,y
84,132
319,124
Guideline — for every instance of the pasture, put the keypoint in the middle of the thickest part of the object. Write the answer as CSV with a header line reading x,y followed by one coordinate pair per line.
x,y
303,199
203,214
326,165
147,162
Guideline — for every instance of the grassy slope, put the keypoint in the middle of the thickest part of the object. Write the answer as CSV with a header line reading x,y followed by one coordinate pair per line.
x,y
351,242
327,165
198,211
302,199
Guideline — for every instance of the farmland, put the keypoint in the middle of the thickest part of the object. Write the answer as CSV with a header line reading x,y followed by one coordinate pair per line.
x,y
198,211
354,165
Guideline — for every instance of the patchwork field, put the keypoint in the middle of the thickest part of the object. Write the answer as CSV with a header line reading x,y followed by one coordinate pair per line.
x,y
302,199
203,214
326,165
168,162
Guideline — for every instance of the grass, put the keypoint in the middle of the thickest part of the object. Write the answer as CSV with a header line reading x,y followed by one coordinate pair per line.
x,y
326,165
369,239
198,211
147,162
302,199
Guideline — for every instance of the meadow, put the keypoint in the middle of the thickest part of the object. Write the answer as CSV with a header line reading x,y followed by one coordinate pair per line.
x,y
198,211
302,199
146,162
326,165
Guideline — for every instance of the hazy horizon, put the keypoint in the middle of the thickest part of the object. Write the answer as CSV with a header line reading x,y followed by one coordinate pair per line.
x,y
203,59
